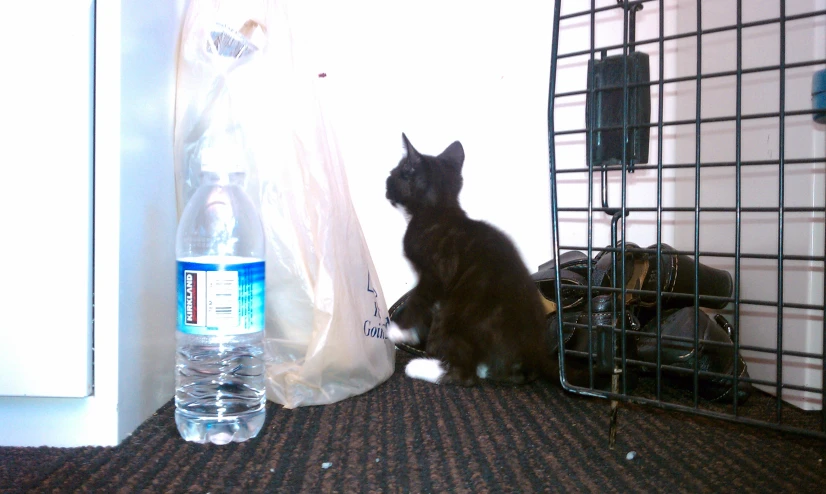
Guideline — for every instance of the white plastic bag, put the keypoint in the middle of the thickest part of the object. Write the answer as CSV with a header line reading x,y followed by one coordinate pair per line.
x,y
238,70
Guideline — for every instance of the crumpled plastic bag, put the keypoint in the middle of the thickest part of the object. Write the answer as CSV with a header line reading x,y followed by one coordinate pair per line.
x,y
326,315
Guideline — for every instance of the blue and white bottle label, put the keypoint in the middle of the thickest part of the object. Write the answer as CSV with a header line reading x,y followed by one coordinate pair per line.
x,y
221,298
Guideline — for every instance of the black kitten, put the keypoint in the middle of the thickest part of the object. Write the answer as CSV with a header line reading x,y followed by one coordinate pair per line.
x,y
475,308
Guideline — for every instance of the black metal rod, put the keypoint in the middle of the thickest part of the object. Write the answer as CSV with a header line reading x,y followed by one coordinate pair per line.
x,y
715,30
697,175
823,346
553,184
728,118
738,183
611,346
709,343
604,188
708,298
630,15
711,75
704,253
722,164
780,203
706,209
604,197
659,244
823,351
632,8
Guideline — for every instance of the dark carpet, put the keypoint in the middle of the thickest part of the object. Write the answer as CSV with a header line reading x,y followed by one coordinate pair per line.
x,y
411,436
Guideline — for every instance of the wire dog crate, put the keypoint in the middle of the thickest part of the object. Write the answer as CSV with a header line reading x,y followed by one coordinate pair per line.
x,y
687,172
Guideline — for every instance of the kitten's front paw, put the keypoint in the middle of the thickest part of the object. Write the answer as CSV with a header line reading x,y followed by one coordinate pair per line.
x,y
399,335
427,369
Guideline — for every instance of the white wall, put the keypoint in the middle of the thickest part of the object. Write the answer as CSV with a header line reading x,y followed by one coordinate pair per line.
x,y
149,36
441,71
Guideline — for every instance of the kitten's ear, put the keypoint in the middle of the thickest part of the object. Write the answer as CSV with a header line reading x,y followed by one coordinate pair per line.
x,y
454,154
412,154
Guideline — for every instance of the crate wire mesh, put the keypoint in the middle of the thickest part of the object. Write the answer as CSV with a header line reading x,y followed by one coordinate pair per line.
x,y
734,181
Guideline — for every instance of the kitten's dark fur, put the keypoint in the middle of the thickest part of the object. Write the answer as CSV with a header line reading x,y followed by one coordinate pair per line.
x,y
474,293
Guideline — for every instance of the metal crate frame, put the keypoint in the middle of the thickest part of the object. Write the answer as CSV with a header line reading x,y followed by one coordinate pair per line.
x,y
620,390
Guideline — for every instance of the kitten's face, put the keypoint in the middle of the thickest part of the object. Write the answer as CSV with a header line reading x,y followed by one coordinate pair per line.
x,y
420,181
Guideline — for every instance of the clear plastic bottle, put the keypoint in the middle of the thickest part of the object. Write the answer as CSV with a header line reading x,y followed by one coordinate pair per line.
x,y
220,390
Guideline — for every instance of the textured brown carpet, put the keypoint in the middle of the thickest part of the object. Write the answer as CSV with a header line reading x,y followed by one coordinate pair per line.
x,y
411,436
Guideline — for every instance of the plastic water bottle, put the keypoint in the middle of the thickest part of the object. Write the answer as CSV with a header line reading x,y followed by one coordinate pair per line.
x,y
220,390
